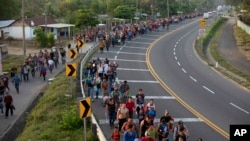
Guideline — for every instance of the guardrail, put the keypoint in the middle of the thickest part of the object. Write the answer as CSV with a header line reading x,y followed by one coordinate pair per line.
x,y
83,62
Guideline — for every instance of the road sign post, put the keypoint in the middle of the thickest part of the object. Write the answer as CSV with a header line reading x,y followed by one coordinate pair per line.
x,y
202,23
71,71
80,44
202,32
73,53
85,111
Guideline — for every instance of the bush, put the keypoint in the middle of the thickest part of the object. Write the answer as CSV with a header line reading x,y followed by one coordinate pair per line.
x,y
70,119
51,40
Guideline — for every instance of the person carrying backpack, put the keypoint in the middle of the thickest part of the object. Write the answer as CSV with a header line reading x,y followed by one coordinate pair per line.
x,y
177,130
163,131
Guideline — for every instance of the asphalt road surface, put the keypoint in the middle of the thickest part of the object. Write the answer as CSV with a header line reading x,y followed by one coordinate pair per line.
x,y
213,98
134,68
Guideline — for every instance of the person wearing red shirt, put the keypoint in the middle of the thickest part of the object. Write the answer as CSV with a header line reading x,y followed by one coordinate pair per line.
x,y
130,104
8,104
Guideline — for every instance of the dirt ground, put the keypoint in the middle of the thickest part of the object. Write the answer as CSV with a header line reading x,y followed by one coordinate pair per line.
x,y
16,47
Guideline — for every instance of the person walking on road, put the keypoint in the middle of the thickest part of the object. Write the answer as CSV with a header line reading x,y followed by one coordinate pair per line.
x,y
2,90
5,79
8,100
110,111
16,82
43,72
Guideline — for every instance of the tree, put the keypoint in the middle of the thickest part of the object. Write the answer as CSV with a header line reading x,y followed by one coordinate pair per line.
x,y
85,18
40,37
10,9
124,12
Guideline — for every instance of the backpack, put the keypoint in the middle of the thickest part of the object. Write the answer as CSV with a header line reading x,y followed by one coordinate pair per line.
x,y
116,136
151,113
163,129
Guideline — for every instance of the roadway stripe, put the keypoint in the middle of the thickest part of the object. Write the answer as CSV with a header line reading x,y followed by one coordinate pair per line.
x,y
146,38
156,120
139,81
238,107
135,47
208,89
193,78
119,52
132,69
153,35
140,43
152,97
126,60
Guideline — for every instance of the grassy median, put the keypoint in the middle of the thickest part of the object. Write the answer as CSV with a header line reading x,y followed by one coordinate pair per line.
x,y
55,116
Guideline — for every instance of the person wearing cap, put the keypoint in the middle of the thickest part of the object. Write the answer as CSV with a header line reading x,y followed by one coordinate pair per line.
x,y
177,130
168,119
181,136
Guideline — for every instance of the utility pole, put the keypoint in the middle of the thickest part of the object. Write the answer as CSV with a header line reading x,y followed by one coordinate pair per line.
x,y
136,11
24,48
168,8
45,13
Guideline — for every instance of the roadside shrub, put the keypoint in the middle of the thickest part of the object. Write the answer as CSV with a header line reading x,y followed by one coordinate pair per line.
x,y
70,119
51,40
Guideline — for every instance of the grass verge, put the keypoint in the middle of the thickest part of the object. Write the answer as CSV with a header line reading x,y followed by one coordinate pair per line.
x,y
55,116
226,69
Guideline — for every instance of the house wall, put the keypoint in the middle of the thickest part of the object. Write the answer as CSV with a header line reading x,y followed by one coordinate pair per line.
x,y
16,31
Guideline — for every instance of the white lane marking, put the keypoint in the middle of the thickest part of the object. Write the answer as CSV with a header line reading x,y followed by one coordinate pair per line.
x,y
152,97
174,52
178,63
147,38
175,58
175,46
153,35
119,52
139,81
156,120
183,70
115,57
193,78
140,43
132,69
177,43
238,107
174,49
136,47
208,89
125,60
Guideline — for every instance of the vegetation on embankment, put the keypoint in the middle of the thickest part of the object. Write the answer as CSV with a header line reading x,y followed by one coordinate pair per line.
x,y
211,40
55,116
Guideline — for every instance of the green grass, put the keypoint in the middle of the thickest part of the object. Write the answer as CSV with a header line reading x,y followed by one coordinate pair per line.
x,y
242,39
55,117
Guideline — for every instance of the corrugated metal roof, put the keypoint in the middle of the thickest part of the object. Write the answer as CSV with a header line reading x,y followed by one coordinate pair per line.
x,y
59,25
6,23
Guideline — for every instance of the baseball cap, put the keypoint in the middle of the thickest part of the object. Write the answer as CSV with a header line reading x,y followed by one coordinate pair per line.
x,y
180,122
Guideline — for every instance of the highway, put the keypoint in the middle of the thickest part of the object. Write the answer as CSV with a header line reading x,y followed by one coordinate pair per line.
x,y
166,67
221,101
